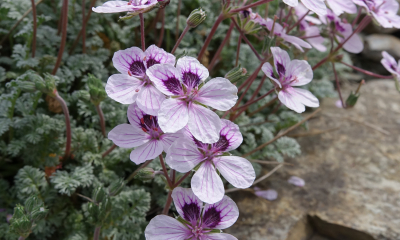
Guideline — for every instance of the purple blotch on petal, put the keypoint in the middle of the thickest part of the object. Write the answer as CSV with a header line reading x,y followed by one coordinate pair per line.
x,y
212,217
191,212
137,68
222,144
281,69
173,85
151,61
191,79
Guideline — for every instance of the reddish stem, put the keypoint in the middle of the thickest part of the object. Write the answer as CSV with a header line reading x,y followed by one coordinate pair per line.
x,y
170,185
338,85
63,37
181,179
177,20
108,151
238,50
367,72
102,121
83,27
247,40
34,28
142,31
162,28
218,53
250,6
180,39
67,123
168,203
209,37
298,22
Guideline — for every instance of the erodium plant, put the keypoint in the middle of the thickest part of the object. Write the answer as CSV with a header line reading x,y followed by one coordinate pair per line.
x,y
194,114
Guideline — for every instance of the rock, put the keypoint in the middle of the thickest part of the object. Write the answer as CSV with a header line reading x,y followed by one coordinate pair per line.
x,y
352,177
376,43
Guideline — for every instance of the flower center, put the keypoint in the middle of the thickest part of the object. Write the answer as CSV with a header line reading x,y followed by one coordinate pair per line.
x,y
197,231
150,126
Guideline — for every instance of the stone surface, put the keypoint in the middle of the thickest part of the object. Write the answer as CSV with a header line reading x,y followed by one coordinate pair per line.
x,y
376,43
352,177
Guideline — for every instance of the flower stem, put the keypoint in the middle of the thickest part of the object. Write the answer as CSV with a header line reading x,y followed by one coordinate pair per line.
x,y
102,121
63,38
209,37
224,42
238,50
96,234
34,28
108,151
298,22
180,39
67,123
367,72
161,37
168,203
263,107
177,20
170,185
338,85
142,31
247,40
182,179
250,6
132,176
83,26
282,134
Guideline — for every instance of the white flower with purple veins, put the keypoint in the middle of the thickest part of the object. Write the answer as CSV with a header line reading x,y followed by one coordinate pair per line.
x,y
391,65
196,222
317,6
289,75
143,134
137,6
188,153
384,11
189,98
132,84
342,31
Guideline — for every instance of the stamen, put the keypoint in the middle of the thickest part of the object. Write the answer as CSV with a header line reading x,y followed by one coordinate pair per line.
x,y
142,120
130,73
144,129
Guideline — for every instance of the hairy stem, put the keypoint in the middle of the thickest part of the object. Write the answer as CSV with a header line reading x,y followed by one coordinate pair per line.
x,y
96,234
263,107
63,37
298,22
177,20
250,6
247,40
168,203
210,36
67,123
34,28
108,151
338,84
224,42
132,176
170,185
102,121
180,39
238,50
161,37
182,179
142,31
367,72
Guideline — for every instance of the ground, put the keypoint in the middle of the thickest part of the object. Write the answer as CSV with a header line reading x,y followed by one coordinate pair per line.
x,y
352,176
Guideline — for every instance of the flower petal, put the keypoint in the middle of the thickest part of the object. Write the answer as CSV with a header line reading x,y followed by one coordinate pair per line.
x,y
389,62
150,100
297,42
192,71
147,151
230,137
306,97
354,44
113,7
130,61
218,236
317,6
340,6
183,155
168,138
162,227
204,124
237,171
296,98
123,88
135,115
156,55
207,185
220,215
218,93
187,204
166,79
292,3
173,115
127,136
281,60
269,71
299,73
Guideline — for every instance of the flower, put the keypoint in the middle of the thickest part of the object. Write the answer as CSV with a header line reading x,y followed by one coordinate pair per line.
x,y
189,98
299,182
135,6
195,221
144,134
317,6
391,65
384,11
291,74
342,31
340,6
133,85
188,153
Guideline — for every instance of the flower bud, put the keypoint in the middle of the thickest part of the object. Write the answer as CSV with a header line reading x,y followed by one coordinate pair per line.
x,y
352,99
236,74
38,214
99,194
31,203
145,174
96,90
196,17
116,187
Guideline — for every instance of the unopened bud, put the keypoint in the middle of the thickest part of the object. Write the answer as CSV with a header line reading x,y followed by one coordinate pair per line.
x,y
352,99
116,187
236,74
145,174
38,214
31,203
196,17
99,194
96,90
27,86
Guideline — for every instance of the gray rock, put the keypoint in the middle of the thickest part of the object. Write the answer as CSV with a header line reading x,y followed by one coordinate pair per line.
x,y
376,43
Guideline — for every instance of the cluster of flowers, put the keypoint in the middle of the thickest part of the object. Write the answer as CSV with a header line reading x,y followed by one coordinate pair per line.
x,y
169,107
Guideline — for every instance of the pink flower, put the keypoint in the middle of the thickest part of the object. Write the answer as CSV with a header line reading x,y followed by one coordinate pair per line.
x,y
391,65
143,134
133,85
188,153
136,6
340,6
189,98
299,182
317,6
342,31
195,221
291,74
384,11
